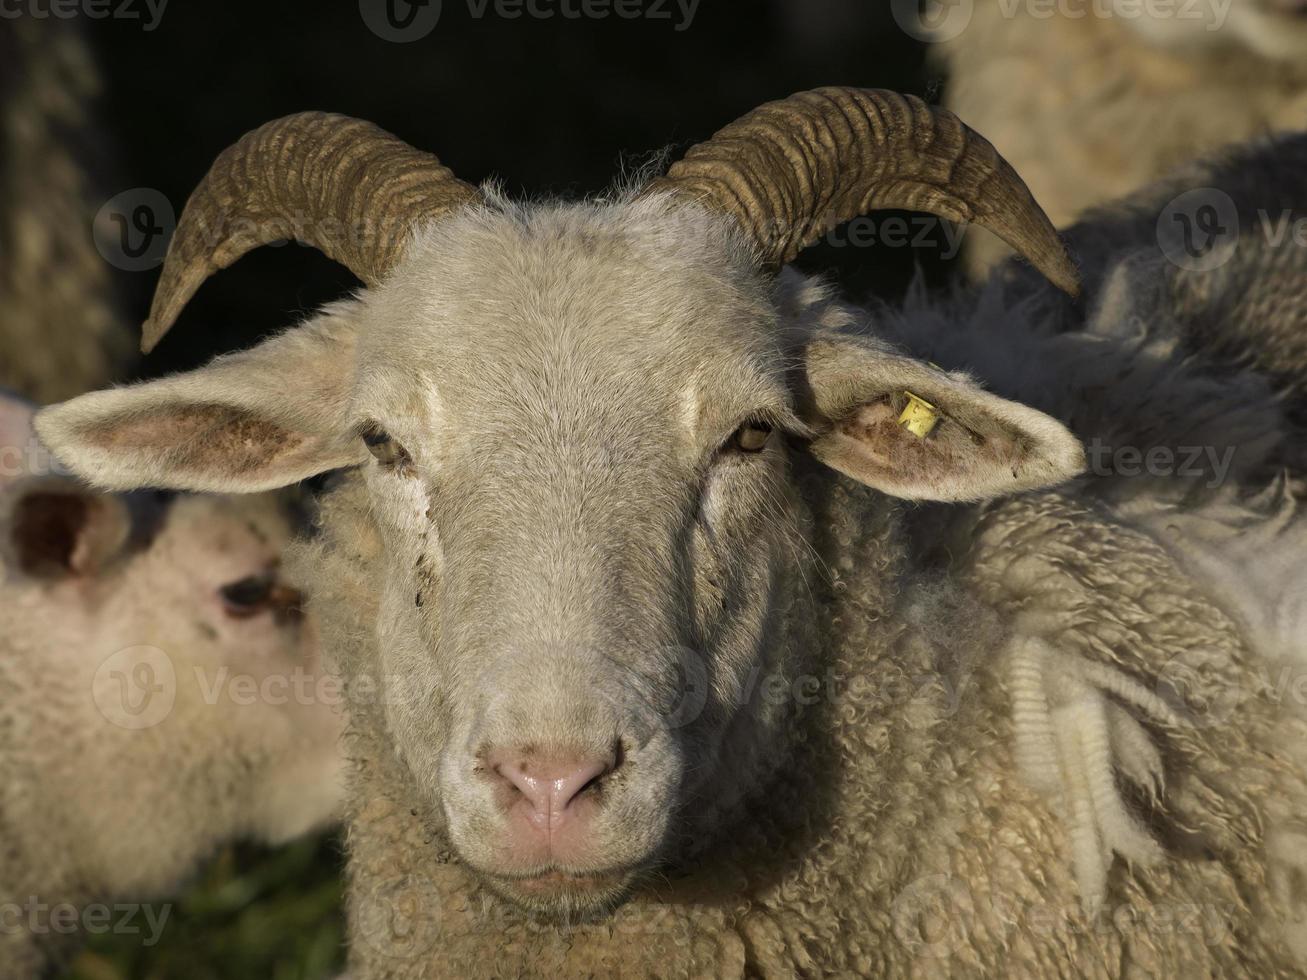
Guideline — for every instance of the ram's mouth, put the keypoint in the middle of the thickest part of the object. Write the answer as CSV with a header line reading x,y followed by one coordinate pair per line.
x,y
563,894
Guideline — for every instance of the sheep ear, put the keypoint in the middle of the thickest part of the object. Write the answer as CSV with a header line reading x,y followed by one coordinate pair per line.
x,y
914,431
257,420
55,528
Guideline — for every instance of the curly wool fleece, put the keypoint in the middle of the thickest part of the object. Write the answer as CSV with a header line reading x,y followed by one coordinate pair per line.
x,y
899,839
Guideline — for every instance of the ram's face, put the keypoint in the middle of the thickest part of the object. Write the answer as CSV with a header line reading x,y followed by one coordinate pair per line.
x,y
591,533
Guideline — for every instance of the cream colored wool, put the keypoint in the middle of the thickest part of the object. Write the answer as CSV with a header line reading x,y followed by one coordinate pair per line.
x,y
902,840
93,812
1091,107
934,851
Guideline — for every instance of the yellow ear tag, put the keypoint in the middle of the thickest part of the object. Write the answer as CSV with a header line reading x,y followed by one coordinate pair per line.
x,y
918,416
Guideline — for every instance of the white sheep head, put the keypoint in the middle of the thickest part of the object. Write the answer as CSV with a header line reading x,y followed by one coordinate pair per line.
x,y
172,697
581,429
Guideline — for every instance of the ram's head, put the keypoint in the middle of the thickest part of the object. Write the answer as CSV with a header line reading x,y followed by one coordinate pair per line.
x,y
578,425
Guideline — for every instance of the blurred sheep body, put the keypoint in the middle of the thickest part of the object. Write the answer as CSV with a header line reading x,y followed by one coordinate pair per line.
x,y
1091,104
1234,294
583,491
61,332
114,784
92,811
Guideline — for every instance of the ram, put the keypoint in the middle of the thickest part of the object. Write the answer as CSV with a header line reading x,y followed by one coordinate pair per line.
x,y
160,695
648,671
1091,101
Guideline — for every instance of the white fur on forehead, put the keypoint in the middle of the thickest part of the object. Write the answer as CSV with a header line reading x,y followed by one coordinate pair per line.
x,y
634,256
249,529
487,314
662,224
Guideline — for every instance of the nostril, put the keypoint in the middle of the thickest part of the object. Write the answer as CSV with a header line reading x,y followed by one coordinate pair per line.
x,y
513,776
570,784
551,782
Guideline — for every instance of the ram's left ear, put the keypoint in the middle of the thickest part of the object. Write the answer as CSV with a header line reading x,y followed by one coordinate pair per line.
x,y
914,431
256,420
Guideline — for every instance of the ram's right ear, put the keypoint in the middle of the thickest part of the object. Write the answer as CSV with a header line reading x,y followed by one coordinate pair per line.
x,y
263,418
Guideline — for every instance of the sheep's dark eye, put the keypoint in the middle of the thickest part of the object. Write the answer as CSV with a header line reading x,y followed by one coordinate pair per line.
x,y
386,450
253,594
248,595
751,437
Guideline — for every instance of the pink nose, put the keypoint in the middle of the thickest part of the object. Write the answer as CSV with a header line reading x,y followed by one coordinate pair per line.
x,y
549,790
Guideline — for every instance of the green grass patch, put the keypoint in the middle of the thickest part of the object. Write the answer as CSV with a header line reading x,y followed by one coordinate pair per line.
x,y
252,912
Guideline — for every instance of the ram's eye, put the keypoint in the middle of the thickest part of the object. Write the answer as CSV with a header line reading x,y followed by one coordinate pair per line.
x,y
387,451
751,437
249,595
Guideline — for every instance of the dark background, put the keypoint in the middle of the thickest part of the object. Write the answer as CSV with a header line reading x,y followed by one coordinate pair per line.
x,y
550,106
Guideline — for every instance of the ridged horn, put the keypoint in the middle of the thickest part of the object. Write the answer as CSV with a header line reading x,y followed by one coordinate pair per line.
x,y
791,170
342,185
